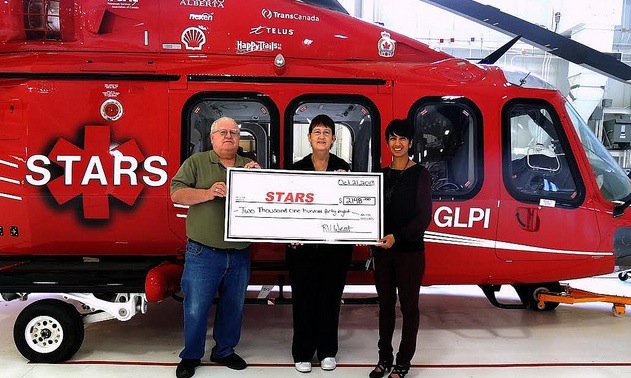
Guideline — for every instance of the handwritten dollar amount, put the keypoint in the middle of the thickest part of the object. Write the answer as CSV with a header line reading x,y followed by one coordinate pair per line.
x,y
352,200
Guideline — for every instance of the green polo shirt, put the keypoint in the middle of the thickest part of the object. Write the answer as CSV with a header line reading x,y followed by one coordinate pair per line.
x,y
205,221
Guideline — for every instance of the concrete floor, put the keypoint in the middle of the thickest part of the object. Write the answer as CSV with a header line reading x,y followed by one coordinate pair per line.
x,y
461,335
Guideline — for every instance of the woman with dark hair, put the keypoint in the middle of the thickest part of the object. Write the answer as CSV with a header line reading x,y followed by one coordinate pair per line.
x,y
317,271
399,256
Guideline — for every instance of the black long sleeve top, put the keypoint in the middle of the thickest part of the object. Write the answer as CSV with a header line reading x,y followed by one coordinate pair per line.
x,y
335,163
407,206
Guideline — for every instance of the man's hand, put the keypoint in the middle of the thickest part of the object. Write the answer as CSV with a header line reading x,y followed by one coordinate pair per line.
x,y
218,189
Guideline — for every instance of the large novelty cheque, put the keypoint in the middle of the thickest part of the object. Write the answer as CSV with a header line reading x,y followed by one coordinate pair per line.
x,y
304,206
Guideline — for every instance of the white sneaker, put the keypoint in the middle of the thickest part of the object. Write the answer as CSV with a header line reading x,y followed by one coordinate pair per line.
x,y
303,367
328,363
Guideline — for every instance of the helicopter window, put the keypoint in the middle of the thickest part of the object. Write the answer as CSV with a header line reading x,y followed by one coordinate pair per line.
x,y
353,130
247,145
342,147
538,165
447,133
252,117
42,19
613,182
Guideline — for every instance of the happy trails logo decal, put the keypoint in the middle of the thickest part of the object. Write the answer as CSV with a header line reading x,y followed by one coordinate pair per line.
x,y
100,169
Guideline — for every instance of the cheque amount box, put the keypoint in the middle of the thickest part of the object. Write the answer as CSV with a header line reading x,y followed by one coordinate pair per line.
x,y
355,200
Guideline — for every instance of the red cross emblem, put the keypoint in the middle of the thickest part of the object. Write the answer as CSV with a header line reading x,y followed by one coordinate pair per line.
x,y
93,171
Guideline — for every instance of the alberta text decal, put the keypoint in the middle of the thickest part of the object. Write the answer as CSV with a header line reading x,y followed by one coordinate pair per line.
x,y
203,3
102,168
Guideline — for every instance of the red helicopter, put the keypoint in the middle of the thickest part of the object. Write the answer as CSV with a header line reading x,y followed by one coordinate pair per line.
x,y
101,101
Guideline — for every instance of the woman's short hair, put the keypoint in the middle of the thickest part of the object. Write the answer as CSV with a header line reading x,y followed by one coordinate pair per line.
x,y
322,120
399,127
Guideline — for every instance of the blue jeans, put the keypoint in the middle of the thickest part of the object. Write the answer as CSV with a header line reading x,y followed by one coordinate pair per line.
x,y
208,271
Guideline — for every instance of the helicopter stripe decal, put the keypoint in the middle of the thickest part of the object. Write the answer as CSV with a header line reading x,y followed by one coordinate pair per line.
x,y
10,180
10,196
529,248
437,237
4,162
183,207
442,238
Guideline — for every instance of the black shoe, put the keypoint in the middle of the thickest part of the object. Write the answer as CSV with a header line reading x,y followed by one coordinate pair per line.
x,y
186,367
381,370
399,371
232,361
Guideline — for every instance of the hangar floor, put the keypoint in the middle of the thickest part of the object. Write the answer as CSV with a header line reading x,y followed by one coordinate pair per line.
x,y
461,335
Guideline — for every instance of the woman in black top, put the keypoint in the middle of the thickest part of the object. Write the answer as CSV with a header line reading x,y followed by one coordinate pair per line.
x,y
399,255
317,271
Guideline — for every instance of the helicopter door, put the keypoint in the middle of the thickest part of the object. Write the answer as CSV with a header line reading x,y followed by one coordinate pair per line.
x,y
448,142
541,216
258,121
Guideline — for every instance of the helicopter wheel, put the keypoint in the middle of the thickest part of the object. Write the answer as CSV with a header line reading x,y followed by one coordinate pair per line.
x,y
623,276
48,331
529,293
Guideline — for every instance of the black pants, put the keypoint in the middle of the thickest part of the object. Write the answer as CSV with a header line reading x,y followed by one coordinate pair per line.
x,y
317,274
402,271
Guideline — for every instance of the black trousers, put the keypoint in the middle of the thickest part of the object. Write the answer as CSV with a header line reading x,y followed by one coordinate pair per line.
x,y
317,274
398,271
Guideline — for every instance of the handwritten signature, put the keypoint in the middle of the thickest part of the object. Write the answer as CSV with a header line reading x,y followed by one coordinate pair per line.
x,y
336,228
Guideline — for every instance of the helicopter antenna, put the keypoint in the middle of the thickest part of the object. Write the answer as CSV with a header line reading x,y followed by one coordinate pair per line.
x,y
522,81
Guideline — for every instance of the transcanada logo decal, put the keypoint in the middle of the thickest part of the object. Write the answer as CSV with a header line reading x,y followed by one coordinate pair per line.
x,y
102,168
271,14
443,238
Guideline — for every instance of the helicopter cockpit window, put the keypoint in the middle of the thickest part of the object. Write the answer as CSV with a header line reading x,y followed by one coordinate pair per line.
x,y
447,133
353,131
538,166
252,117
613,182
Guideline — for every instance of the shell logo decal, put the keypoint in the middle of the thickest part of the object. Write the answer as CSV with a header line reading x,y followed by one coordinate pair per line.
x,y
193,38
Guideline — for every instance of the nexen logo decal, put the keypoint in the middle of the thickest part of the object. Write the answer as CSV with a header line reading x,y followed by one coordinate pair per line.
x,y
97,171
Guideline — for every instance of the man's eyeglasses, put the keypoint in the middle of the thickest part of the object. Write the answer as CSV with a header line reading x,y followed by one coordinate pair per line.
x,y
224,133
